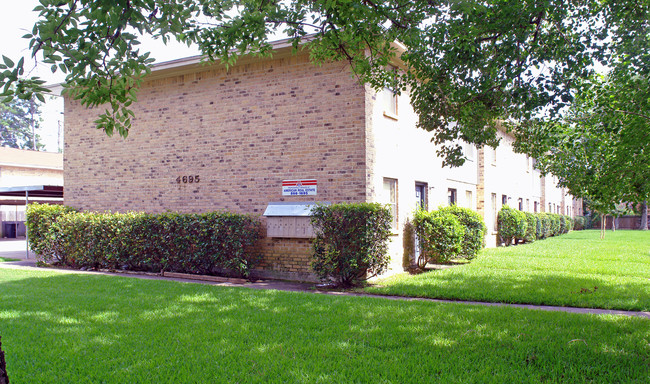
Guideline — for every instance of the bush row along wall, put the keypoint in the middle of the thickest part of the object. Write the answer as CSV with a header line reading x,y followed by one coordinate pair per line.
x,y
213,243
516,226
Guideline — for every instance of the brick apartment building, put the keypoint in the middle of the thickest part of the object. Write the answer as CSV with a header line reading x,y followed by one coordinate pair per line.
x,y
209,138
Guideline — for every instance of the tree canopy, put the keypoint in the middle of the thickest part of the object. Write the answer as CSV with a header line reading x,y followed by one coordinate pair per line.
x,y
19,119
467,64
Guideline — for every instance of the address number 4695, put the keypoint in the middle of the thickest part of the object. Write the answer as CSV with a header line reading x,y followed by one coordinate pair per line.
x,y
188,179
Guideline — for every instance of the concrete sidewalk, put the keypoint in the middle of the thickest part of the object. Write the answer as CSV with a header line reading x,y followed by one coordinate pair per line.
x,y
15,249
30,263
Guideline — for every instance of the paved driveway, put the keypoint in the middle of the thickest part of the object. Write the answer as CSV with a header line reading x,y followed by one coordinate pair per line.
x,y
15,249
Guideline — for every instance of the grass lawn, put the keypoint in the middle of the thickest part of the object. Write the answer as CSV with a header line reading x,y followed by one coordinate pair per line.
x,y
576,269
3,259
72,328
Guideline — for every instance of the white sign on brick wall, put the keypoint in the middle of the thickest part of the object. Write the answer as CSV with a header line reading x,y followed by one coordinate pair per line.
x,y
299,187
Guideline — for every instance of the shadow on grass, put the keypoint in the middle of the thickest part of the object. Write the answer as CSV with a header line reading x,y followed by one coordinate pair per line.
x,y
79,328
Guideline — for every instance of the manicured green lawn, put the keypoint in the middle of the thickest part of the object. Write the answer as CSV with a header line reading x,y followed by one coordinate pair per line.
x,y
71,328
2,259
576,269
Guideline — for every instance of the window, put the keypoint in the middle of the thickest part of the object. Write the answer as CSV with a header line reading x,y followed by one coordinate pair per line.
x,y
390,197
527,205
520,204
390,103
494,156
529,164
451,196
421,195
536,206
470,199
504,199
494,210
469,151
549,208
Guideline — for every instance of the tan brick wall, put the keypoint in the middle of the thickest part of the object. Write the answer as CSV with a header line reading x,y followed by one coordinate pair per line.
x,y
242,131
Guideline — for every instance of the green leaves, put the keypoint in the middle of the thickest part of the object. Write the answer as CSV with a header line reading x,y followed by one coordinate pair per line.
x,y
351,242
467,65
208,243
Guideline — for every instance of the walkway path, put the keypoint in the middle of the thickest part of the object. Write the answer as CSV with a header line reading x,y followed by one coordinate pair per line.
x,y
30,263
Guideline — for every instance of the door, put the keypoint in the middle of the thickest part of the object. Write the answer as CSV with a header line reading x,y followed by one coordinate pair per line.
x,y
421,203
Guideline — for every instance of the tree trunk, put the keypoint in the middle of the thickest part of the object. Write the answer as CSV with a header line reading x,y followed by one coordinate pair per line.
x,y
615,222
603,225
644,216
4,377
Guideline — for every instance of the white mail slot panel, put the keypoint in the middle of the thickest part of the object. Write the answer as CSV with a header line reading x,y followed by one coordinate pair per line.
x,y
291,227
289,219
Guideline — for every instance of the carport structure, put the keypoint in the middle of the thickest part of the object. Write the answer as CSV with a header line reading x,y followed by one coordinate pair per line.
x,y
23,195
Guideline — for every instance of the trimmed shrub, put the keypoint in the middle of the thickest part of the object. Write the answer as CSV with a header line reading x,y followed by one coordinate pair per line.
x,y
43,229
511,224
579,223
475,229
569,223
531,227
555,224
209,243
545,225
351,242
441,235
564,225
539,228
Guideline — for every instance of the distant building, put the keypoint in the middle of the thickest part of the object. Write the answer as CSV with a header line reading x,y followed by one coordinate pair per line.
x,y
280,130
19,168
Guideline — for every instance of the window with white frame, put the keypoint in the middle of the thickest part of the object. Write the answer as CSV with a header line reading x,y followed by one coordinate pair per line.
x,y
469,196
389,197
390,103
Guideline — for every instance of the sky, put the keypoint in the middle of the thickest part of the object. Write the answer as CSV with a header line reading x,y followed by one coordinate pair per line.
x,y
17,19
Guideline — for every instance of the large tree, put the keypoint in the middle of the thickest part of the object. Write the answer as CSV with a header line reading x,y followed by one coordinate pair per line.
x,y
467,64
19,120
600,151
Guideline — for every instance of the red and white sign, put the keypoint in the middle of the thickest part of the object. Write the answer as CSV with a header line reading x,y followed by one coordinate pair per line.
x,y
306,187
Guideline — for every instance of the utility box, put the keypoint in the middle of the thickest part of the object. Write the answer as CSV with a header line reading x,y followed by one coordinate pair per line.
x,y
289,220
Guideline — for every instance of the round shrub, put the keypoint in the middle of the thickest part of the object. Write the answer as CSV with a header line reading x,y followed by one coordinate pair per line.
x,y
43,229
531,228
555,224
441,235
564,226
570,223
475,229
579,223
351,242
545,227
511,224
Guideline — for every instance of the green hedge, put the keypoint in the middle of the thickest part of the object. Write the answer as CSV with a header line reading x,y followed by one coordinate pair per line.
x,y
351,242
528,227
208,243
441,235
531,227
511,225
43,229
475,229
